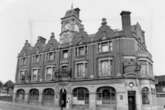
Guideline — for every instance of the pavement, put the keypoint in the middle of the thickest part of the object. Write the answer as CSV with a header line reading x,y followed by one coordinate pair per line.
x,y
16,106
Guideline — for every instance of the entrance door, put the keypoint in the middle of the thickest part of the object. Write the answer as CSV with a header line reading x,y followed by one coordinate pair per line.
x,y
62,100
131,100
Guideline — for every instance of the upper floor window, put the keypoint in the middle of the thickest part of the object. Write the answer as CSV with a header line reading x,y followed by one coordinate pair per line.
x,y
146,67
65,54
81,69
22,75
50,56
23,61
49,73
36,58
145,95
105,46
82,50
35,73
105,67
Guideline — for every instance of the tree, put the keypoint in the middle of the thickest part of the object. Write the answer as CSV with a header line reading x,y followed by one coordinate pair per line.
x,y
9,85
1,85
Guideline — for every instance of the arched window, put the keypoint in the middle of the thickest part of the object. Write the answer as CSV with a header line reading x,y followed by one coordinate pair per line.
x,y
80,95
20,95
106,95
145,95
33,96
48,96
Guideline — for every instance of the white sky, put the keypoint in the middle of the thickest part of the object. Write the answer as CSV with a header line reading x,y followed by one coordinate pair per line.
x,y
27,19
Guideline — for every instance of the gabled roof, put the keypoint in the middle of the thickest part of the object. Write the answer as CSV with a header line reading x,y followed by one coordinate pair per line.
x,y
52,43
39,46
80,37
26,50
104,31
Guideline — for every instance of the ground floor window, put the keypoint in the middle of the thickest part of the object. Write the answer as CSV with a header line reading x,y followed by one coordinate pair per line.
x,y
20,95
145,96
80,96
48,96
106,95
33,96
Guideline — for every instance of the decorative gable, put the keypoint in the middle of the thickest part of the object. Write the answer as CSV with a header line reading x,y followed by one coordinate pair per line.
x,y
80,37
39,46
52,43
104,31
26,50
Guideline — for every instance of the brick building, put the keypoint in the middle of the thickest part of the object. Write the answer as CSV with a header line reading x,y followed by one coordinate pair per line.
x,y
108,70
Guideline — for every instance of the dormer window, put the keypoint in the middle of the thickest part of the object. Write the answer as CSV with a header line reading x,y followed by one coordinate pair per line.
x,y
50,56
105,46
82,50
65,54
36,58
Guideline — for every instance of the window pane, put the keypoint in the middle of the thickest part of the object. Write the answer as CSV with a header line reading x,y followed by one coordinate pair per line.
x,y
105,68
105,47
65,54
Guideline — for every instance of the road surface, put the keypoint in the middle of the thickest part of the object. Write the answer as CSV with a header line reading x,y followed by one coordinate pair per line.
x,y
16,106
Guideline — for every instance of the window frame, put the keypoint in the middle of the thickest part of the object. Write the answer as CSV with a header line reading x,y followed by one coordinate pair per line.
x,y
37,75
85,66
109,44
78,52
46,72
66,51
100,72
48,57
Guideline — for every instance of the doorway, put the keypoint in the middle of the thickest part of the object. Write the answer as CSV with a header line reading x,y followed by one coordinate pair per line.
x,y
131,100
63,97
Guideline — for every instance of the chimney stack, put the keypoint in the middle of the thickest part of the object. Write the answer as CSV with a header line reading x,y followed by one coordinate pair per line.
x,y
126,20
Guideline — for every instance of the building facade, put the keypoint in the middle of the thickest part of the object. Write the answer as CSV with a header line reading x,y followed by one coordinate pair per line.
x,y
108,70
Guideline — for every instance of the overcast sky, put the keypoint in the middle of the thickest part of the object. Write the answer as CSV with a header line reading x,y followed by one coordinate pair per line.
x,y
22,20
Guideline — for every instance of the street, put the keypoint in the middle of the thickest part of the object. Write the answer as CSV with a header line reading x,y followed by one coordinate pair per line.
x,y
16,106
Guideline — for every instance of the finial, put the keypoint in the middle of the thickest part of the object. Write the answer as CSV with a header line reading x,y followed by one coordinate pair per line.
x,y
52,35
27,43
104,21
